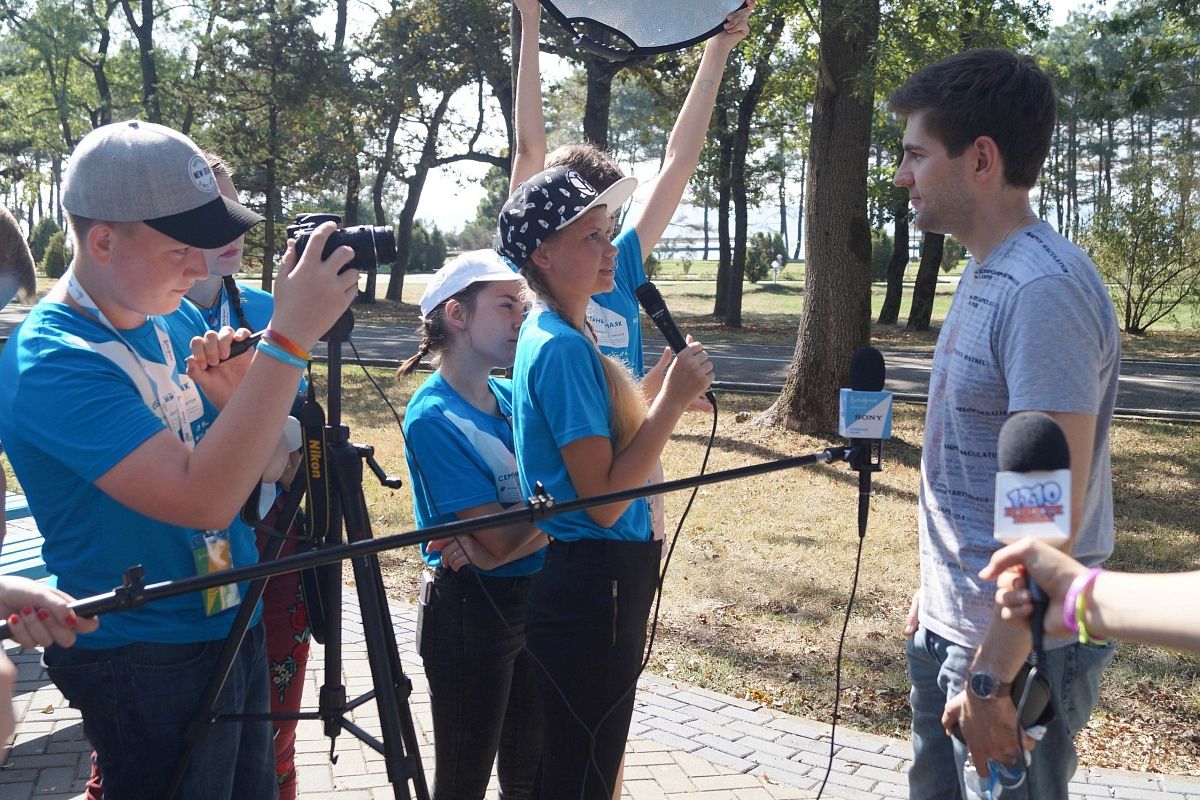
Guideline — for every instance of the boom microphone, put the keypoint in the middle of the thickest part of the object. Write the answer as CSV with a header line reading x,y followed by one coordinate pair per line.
x,y
654,305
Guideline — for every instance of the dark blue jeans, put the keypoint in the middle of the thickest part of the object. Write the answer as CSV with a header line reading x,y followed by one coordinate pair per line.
x,y
587,628
137,702
482,689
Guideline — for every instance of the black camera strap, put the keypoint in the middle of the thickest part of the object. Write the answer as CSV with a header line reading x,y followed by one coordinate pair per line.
x,y
318,508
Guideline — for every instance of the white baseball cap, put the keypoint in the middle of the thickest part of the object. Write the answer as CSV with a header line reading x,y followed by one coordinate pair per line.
x,y
470,267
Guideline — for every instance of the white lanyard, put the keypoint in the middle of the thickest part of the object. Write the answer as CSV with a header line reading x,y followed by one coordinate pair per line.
x,y
176,405
223,303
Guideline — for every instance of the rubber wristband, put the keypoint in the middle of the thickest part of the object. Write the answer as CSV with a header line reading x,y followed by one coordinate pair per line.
x,y
279,354
1075,604
287,344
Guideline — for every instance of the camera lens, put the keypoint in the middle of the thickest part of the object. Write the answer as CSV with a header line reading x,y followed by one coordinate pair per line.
x,y
372,244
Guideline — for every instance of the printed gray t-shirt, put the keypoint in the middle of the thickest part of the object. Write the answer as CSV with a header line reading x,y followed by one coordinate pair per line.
x,y
1030,329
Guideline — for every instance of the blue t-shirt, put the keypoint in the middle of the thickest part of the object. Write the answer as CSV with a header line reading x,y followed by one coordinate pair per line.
x,y
560,396
68,415
614,315
459,458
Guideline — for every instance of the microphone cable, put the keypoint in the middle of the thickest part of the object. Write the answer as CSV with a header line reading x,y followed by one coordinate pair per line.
x,y
837,670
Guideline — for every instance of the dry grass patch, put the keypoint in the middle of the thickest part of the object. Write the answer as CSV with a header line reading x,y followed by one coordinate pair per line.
x,y
758,584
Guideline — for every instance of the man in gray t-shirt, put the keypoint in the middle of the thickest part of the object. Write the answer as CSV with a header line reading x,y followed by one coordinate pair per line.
x,y
1031,328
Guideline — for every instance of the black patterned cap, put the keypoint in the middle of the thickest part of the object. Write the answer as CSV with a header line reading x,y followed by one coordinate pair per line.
x,y
549,202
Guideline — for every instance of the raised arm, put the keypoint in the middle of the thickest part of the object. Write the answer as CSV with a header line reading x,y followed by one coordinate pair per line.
x,y
688,134
530,156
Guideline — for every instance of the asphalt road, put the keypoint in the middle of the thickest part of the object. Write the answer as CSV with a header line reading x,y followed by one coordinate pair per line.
x,y
1161,385
1168,386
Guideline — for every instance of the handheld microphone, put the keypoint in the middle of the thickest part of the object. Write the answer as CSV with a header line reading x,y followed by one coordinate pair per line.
x,y
1033,498
1033,492
865,417
652,301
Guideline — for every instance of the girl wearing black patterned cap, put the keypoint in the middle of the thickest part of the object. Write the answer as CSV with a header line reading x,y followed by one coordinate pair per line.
x,y
581,428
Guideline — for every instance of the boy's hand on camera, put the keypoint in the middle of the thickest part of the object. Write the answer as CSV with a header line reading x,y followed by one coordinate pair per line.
x,y
310,294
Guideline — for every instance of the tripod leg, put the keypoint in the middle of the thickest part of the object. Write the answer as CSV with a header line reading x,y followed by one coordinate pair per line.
x,y
392,687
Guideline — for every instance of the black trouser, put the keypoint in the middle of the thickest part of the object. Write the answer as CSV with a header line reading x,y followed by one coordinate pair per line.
x,y
586,624
482,689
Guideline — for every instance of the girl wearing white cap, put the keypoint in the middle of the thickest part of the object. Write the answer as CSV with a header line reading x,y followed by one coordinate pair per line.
x,y
459,446
582,429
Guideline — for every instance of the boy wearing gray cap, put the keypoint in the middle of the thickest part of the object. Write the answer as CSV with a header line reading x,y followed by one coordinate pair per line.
x,y
109,400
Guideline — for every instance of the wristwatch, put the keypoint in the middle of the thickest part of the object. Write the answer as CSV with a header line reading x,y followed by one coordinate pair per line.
x,y
986,687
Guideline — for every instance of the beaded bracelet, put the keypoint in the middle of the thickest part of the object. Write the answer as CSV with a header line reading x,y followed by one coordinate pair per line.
x,y
1075,606
279,354
287,344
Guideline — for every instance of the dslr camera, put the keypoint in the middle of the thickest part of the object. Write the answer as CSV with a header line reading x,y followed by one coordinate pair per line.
x,y
372,244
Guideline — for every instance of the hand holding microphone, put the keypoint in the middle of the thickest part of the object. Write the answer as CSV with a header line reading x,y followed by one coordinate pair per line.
x,y
652,301
1051,569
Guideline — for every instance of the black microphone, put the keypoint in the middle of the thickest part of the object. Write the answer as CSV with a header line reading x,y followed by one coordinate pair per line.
x,y
654,305
863,408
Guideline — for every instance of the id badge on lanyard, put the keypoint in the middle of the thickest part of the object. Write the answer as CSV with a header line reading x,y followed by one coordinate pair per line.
x,y
177,403
212,553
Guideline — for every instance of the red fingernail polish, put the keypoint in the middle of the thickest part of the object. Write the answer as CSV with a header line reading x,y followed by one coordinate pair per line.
x,y
72,620
13,619
27,610
43,614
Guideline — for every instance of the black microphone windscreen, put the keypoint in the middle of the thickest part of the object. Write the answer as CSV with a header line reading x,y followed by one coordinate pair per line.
x,y
1031,441
866,370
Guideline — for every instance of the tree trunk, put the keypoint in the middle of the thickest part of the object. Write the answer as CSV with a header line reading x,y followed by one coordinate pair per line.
x,y
898,264
416,185
836,318
800,210
707,205
144,33
921,311
724,263
746,107
381,176
600,72
273,196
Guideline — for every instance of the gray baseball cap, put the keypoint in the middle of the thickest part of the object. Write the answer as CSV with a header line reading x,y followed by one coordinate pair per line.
x,y
137,171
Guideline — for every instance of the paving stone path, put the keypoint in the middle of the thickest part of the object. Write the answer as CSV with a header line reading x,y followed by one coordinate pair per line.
x,y
687,744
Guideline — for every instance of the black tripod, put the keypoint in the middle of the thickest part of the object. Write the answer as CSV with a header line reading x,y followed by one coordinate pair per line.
x,y
334,467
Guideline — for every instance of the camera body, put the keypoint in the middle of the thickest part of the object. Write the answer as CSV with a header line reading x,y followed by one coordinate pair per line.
x,y
372,244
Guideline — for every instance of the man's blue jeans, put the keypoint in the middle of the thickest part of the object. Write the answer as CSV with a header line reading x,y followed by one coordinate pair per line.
x,y
138,700
937,670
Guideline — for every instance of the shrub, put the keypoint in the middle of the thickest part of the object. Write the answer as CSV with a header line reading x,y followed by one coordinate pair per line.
x,y
953,251
652,265
39,237
882,245
54,259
